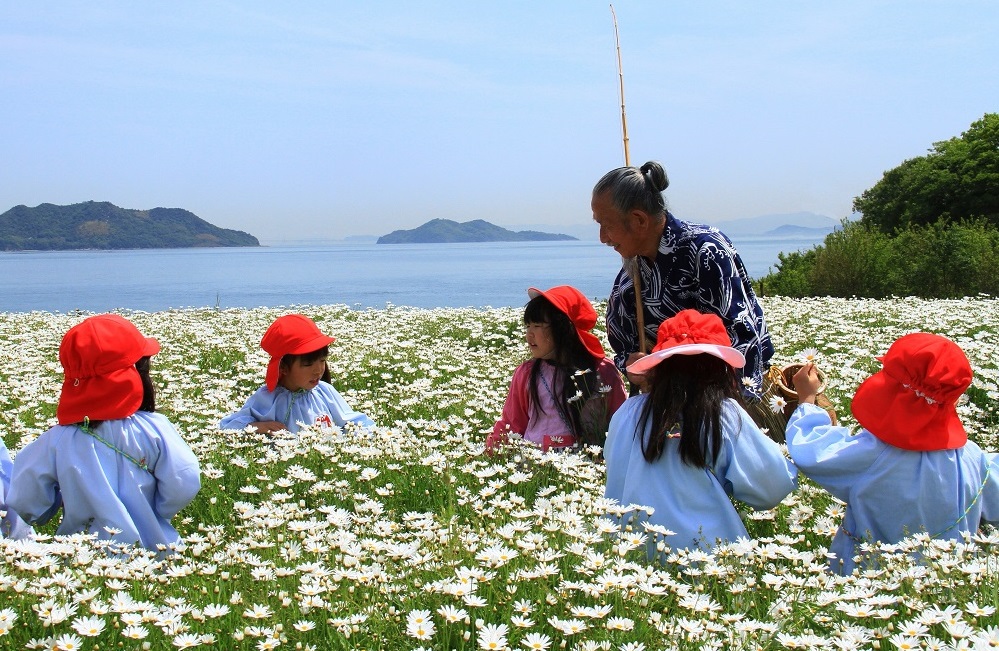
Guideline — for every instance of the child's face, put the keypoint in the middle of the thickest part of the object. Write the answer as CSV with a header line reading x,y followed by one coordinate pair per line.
x,y
302,376
539,340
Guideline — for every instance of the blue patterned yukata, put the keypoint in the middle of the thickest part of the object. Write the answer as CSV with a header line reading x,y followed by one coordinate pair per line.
x,y
697,267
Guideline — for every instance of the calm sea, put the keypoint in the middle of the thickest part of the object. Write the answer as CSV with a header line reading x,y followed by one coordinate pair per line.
x,y
359,275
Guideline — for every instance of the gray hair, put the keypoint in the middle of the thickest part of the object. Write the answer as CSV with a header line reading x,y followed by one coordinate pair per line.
x,y
634,187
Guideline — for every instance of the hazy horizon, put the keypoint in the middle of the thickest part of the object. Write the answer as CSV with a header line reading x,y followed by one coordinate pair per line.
x,y
324,120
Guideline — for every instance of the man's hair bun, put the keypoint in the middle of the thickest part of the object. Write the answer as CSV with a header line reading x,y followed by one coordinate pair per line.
x,y
655,175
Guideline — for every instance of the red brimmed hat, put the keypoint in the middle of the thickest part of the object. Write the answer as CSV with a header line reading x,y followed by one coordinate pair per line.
x,y
911,402
292,334
571,302
98,357
691,333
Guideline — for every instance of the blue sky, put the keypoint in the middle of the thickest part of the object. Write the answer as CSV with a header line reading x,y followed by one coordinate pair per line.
x,y
320,120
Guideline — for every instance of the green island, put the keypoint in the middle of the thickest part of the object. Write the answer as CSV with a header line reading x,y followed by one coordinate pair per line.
x,y
442,231
102,225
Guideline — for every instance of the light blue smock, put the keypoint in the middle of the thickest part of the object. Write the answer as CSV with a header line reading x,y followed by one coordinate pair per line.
x,y
99,487
891,493
321,406
695,502
11,525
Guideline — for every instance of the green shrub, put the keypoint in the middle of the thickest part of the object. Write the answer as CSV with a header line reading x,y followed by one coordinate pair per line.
x,y
792,277
942,260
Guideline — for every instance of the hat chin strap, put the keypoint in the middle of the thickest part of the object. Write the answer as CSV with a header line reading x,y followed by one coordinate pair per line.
x,y
920,394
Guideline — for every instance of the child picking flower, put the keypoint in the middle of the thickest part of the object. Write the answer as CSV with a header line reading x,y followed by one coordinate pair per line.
x,y
297,389
911,469
115,467
566,393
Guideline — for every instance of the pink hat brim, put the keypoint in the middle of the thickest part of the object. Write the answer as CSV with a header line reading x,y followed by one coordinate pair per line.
x,y
727,354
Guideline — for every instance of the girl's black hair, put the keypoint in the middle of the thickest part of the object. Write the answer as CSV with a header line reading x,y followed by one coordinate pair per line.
x,y
687,391
148,391
308,358
569,356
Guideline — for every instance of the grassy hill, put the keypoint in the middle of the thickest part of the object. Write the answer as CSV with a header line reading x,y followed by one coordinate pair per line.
x,y
102,225
478,230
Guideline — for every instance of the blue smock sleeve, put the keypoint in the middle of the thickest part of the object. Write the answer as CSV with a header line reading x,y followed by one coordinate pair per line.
x,y
751,467
342,413
11,524
34,488
262,405
990,492
177,473
241,418
829,454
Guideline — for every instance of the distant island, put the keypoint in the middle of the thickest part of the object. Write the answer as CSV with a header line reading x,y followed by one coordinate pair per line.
x,y
440,231
790,230
102,225
795,224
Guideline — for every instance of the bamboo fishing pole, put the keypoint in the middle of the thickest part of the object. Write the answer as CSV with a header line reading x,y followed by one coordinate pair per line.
x,y
631,264
620,79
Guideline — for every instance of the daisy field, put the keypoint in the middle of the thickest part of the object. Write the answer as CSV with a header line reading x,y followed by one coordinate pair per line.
x,y
408,537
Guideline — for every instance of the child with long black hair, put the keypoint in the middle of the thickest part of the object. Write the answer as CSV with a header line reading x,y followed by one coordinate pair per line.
x,y
567,392
687,446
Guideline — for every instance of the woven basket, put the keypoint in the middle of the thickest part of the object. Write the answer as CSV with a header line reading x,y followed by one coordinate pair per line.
x,y
781,381
784,380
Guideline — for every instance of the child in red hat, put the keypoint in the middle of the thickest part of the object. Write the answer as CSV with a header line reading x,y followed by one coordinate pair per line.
x,y
566,393
687,446
911,469
297,389
118,469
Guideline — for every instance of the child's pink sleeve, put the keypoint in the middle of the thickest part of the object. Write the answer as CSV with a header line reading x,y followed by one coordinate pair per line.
x,y
515,414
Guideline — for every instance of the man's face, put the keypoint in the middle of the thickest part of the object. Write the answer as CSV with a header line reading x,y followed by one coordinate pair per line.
x,y
616,229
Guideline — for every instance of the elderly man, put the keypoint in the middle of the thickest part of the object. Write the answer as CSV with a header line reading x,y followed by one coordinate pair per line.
x,y
678,265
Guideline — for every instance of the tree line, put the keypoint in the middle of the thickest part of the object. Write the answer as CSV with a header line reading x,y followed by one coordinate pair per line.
x,y
929,228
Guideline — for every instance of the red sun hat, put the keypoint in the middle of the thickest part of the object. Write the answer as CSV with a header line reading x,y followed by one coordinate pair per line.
x,y
571,302
292,334
911,402
98,357
690,332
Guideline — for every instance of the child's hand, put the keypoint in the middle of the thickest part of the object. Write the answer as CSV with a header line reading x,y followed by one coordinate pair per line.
x,y
640,379
807,383
269,426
